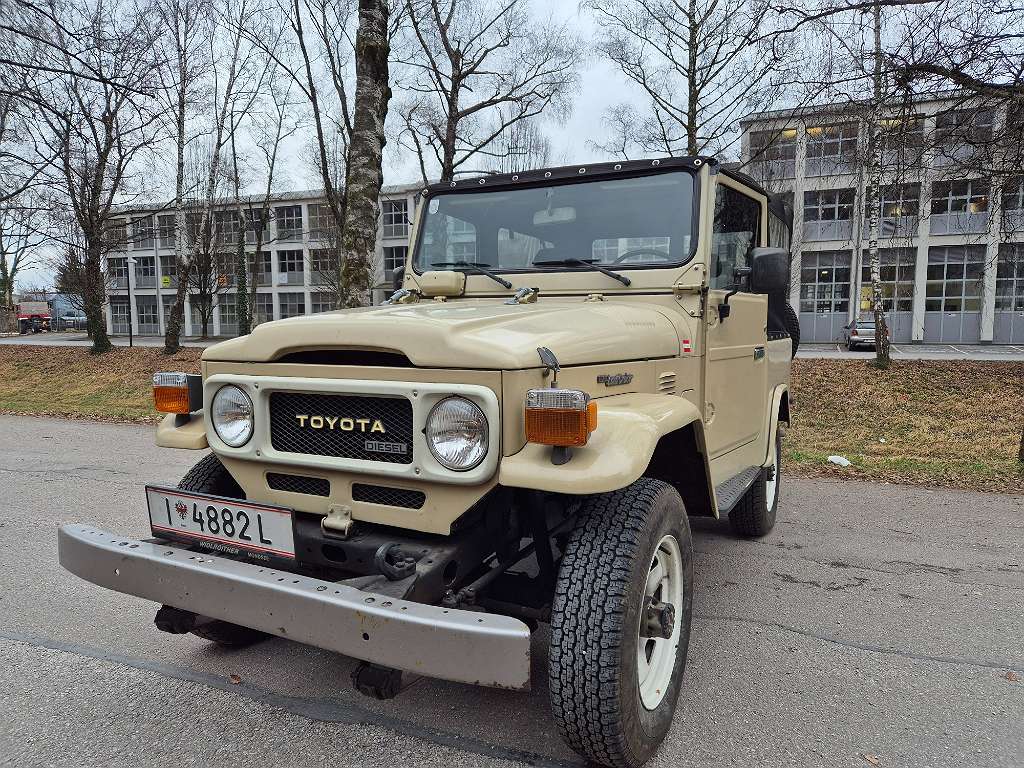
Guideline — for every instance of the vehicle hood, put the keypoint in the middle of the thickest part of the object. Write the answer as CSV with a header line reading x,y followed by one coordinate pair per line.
x,y
475,334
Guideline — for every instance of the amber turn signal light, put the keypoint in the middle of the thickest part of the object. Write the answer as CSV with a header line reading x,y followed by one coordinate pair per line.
x,y
177,392
559,417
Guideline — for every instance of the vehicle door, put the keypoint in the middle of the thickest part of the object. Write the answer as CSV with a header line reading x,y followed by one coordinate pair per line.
x,y
736,368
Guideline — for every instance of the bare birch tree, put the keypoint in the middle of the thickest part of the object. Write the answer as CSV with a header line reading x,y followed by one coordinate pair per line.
x,y
21,228
701,64
479,67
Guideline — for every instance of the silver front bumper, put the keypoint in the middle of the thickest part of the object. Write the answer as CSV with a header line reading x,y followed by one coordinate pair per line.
x,y
464,646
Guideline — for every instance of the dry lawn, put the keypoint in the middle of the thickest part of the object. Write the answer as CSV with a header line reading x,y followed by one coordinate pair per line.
x,y
950,423
68,381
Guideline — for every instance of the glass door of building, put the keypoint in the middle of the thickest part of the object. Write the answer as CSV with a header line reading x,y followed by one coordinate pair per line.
x,y
824,294
953,294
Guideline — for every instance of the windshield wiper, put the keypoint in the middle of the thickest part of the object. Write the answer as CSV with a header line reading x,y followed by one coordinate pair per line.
x,y
587,263
475,267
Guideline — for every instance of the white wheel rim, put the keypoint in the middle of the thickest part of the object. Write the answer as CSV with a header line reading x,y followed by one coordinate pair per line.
x,y
656,656
773,476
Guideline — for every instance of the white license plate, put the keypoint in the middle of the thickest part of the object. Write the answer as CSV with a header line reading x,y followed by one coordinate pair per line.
x,y
218,524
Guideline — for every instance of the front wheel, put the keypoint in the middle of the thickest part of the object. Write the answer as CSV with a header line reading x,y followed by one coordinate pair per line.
x,y
620,623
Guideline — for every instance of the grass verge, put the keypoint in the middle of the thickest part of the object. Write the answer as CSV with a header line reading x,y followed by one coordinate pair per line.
x,y
948,423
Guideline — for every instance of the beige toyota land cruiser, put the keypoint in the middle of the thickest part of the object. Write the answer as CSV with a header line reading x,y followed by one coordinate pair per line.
x,y
574,362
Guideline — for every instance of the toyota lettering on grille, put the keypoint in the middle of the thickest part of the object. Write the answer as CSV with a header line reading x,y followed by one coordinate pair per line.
x,y
340,423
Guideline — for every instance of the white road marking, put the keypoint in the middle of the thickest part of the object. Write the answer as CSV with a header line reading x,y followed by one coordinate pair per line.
x,y
958,350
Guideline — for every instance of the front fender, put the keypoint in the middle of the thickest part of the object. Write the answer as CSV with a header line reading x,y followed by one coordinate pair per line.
x,y
629,427
772,429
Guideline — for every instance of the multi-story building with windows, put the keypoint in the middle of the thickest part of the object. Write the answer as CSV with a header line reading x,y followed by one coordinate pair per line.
x,y
294,275
952,238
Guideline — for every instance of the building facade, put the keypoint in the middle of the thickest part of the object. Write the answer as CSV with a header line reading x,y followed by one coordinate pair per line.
x,y
293,277
951,237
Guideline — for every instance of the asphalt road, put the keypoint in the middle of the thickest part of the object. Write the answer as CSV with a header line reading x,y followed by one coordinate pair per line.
x,y
831,351
875,620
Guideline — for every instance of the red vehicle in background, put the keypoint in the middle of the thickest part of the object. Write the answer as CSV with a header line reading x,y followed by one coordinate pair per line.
x,y
33,316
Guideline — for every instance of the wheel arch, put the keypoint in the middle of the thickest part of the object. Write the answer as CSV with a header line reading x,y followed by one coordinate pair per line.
x,y
681,460
778,411
636,435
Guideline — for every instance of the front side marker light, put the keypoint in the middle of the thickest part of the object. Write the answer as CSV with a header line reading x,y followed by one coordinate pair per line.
x,y
175,392
560,417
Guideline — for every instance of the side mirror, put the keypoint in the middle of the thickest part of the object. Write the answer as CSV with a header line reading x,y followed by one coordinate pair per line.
x,y
769,270
397,278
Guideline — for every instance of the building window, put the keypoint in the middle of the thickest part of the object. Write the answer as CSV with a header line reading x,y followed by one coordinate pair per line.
x,y
264,308
825,281
959,132
227,226
955,275
260,266
773,153
396,222
735,232
224,266
290,267
322,302
321,222
831,149
289,222
1010,278
959,207
828,214
1013,205
896,270
394,258
167,301
292,304
149,322
120,313
168,271
145,272
323,263
142,233
117,239
166,230
228,314
902,141
117,271
898,208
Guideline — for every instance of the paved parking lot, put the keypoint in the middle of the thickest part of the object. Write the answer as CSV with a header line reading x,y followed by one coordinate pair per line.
x,y
917,351
877,625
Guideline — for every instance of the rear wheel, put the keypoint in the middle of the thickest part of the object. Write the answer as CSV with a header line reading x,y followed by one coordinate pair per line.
x,y
791,321
754,514
210,476
620,624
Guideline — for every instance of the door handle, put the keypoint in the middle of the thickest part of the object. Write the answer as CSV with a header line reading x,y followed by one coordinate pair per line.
x,y
758,353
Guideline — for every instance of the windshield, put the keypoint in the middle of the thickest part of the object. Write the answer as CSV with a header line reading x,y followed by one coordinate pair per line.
x,y
626,222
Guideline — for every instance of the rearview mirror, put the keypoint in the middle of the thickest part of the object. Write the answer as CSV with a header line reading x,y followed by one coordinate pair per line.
x,y
562,215
769,270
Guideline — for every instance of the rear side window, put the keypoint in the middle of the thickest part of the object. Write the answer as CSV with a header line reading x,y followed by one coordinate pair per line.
x,y
734,236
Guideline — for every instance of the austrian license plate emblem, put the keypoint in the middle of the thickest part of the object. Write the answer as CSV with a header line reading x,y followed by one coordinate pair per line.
x,y
217,524
380,446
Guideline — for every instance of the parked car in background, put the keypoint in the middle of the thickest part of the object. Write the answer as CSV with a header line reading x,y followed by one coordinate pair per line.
x,y
861,333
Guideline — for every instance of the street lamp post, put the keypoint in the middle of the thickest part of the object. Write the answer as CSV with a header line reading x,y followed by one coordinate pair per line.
x,y
131,313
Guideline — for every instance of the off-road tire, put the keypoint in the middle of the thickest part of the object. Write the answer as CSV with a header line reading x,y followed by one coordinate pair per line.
x,y
210,476
592,674
754,514
791,321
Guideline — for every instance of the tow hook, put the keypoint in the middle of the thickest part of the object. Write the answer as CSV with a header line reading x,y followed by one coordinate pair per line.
x,y
376,681
659,619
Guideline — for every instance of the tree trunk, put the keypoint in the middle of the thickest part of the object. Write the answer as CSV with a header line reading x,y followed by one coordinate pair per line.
x,y
172,333
94,296
882,359
1020,455
363,169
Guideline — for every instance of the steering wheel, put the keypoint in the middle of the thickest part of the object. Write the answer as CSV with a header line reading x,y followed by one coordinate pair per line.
x,y
637,251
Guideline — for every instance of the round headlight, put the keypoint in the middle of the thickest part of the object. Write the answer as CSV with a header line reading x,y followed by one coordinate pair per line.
x,y
232,415
457,433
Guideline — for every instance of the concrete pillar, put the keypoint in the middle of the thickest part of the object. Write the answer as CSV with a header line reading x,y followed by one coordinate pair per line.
x,y
798,215
988,289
